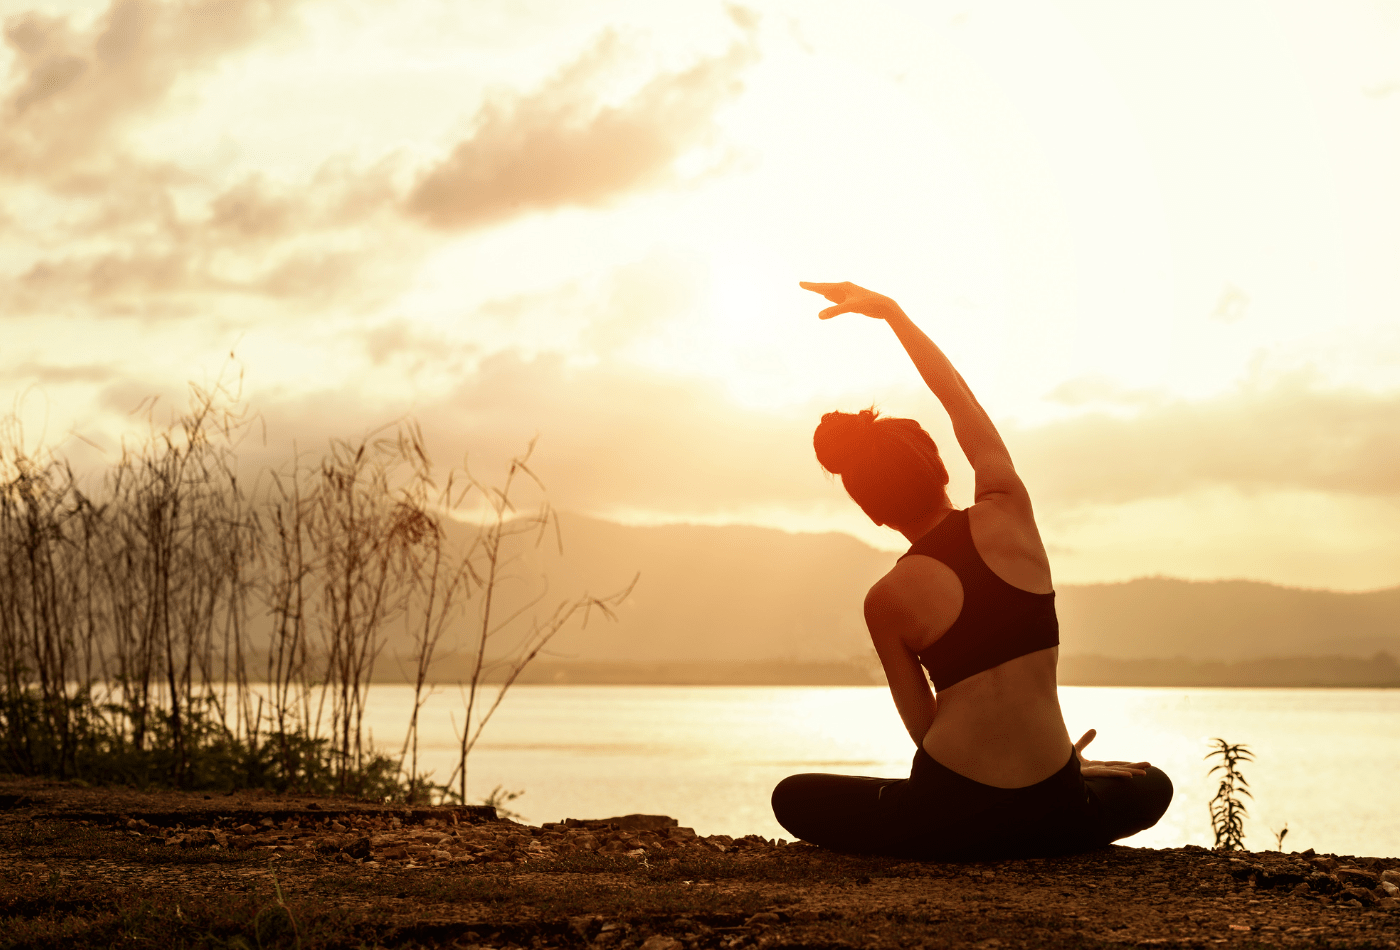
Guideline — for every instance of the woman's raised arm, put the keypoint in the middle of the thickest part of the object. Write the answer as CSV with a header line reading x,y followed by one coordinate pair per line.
x,y
976,434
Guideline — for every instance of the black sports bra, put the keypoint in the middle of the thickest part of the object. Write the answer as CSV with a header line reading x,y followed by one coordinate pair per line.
x,y
998,622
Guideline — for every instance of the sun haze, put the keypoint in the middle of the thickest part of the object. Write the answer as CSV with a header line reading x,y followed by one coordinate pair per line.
x,y
1159,242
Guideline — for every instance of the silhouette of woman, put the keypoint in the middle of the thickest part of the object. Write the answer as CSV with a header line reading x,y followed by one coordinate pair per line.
x,y
995,773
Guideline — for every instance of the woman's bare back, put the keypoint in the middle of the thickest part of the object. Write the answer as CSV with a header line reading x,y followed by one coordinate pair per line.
x,y
1002,726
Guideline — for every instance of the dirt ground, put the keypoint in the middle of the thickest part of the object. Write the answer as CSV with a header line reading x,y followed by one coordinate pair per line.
x,y
115,867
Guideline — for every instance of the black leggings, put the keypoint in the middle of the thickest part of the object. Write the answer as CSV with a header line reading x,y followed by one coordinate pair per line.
x,y
937,813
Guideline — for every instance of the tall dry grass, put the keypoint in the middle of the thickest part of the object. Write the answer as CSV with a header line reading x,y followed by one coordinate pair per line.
x,y
176,625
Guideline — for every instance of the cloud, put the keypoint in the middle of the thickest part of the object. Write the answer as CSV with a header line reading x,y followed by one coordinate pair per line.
x,y
44,373
111,236
557,147
615,438
121,234
327,240
75,90
1290,435
612,438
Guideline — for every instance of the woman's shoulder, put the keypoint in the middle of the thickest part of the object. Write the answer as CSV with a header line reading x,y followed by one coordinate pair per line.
x,y
917,596
1009,543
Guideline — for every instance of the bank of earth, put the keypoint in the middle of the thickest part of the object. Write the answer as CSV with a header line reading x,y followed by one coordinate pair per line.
x,y
83,867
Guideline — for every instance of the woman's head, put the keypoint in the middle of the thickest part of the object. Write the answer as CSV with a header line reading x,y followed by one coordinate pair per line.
x,y
889,466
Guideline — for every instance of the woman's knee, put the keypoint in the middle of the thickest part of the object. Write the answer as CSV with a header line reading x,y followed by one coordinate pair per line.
x,y
1130,805
1157,794
828,809
792,801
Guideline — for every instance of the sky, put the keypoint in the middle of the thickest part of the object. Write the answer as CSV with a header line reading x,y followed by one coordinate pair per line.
x,y
1158,240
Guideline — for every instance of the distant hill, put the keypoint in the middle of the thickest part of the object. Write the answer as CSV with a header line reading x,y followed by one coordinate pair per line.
x,y
709,598
1225,620
1380,670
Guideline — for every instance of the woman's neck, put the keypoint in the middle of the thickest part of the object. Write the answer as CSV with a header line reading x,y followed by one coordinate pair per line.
x,y
925,524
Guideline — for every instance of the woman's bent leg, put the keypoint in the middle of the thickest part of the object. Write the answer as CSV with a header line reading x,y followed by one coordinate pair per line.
x,y
841,812
1129,804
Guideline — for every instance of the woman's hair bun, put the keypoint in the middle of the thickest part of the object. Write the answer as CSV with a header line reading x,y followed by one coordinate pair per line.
x,y
843,439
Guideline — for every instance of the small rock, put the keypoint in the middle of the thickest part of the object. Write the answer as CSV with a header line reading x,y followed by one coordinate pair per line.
x,y
661,942
246,829
1390,888
807,915
1323,883
763,918
440,855
642,822
1324,864
267,823
581,925
1356,876
1365,897
1392,877
359,849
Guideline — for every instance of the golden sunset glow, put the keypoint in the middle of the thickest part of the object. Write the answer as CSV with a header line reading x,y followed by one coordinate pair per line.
x,y
1160,243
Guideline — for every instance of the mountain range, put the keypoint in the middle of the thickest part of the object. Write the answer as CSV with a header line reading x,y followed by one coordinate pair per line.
x,y
735,603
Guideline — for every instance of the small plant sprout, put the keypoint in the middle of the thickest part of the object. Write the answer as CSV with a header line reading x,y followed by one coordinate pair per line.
x,y
1227,811
1280,835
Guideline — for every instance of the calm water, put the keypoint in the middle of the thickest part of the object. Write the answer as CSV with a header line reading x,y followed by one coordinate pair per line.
x,y
1327,761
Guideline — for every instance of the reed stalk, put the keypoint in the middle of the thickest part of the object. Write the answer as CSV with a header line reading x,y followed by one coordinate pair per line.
x,y
134,618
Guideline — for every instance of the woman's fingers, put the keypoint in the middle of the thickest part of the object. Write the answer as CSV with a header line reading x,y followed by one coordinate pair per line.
x,y
1119,764
833,292
1102,771
1085,739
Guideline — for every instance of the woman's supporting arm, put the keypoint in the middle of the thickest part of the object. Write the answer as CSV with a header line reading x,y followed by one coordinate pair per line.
x,y
976,434
890,619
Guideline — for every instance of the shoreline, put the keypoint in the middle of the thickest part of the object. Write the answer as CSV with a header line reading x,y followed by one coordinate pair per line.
x,y
80,865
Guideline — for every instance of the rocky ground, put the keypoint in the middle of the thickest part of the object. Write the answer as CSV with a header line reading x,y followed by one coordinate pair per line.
x,y
105,867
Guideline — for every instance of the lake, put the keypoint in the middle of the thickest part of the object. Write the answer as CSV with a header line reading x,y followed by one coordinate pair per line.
x,y
1327,762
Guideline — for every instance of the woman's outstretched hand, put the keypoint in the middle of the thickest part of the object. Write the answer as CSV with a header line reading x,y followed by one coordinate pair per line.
x,y
1090,767
852,298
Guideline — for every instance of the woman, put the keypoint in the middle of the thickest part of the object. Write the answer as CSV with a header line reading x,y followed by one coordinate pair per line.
x,y
995,773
